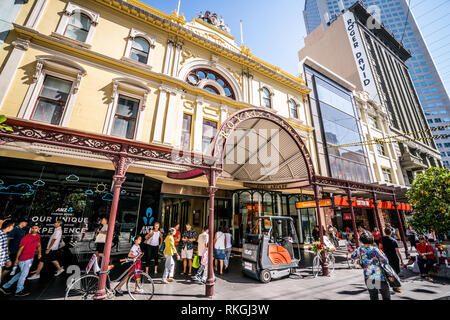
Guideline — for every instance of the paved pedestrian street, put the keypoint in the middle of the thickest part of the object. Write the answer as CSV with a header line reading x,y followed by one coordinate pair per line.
x,y
343,284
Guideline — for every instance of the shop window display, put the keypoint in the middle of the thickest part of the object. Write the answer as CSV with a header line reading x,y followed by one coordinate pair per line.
x,y
43,193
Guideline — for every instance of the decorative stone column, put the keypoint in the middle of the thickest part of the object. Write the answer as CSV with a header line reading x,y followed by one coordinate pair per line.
x,y
160,112
168,57
9,71
170,128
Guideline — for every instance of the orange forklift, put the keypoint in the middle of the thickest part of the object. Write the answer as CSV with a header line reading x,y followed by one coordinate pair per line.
x,y
268,250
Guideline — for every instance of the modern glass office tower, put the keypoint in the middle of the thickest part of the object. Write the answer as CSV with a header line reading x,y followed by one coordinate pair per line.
x,y
427,81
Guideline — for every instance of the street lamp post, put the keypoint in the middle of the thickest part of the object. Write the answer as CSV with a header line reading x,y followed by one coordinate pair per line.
x,y
352,211
209,290
325,270
400,223
121,164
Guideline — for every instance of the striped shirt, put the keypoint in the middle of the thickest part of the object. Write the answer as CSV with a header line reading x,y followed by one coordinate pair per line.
x,y
4,256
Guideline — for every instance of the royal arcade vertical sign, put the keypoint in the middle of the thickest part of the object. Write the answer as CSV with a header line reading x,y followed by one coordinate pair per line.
x,y
360,56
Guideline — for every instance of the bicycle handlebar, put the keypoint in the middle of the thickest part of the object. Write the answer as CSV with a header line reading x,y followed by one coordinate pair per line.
x,y
130,259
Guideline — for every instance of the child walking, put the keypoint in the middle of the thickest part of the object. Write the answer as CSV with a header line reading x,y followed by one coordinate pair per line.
x,y
135,252
202,273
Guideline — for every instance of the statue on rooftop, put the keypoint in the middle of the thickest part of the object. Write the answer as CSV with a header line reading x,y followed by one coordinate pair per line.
x,y
214,20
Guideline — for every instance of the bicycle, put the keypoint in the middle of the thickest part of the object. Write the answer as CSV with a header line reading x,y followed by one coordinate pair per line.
x,y
85,287
317,263
352,263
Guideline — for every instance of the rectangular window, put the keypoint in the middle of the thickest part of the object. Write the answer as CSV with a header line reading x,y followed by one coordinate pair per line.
x,y
209,132
125,118
372,121
52,100
381,150
186,132
387,175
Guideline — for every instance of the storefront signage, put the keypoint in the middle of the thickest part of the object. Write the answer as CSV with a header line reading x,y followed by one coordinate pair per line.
x,y
70,223
312,204
360,56
148,220
347,216
362,203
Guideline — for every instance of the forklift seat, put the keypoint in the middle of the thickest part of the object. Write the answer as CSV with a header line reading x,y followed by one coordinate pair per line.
x,y
279,255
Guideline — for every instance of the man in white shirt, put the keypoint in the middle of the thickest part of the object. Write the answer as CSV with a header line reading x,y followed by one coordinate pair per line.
x,y
203,241
51,253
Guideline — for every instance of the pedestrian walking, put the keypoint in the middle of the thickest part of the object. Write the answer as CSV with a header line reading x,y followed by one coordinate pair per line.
x,y
350,244
5,261
153,242
371,258
51,254
24,260
100,239
202,273
376,236
412,237
332,231
425,258
187,251
316,233
202,240
392,252
219,249
169,252
177,240
228,247
3,219
134,252
14,238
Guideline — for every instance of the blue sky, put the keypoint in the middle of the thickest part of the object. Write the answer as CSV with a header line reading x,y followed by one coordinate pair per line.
x,y
274,30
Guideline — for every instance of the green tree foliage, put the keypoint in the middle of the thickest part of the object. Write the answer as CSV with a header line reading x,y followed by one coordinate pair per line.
x,y
430,196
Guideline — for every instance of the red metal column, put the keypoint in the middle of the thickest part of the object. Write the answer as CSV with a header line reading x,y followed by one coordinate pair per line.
x,y
377,213
209,290
400,223
352,211
325,270
121,164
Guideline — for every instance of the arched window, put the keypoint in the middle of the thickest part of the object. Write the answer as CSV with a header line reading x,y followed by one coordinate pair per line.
x,y
211,81
266,98
139,50
293,109
78,27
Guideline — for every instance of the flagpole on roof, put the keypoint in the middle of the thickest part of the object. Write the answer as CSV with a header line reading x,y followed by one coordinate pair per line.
x,y
242,35
178,8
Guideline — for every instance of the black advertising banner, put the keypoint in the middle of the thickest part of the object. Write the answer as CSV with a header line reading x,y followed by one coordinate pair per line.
x,y
149,207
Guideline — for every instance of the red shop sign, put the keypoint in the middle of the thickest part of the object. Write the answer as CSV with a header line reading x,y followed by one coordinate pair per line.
x,y
347,216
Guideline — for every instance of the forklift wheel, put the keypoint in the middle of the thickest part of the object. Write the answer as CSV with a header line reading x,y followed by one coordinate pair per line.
x,y
265,276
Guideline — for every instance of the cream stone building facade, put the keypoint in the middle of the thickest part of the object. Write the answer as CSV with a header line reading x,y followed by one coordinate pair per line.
x,y
123,70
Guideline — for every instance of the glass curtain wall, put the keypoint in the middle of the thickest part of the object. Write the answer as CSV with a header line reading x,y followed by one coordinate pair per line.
x,y
334,112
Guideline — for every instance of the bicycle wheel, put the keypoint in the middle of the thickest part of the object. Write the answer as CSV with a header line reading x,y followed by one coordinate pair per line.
x,y
331,260
140,286
83,288
316,267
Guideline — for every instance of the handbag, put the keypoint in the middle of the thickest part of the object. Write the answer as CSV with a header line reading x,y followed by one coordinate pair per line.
x,y
196,262
101,238
163,246
391,276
